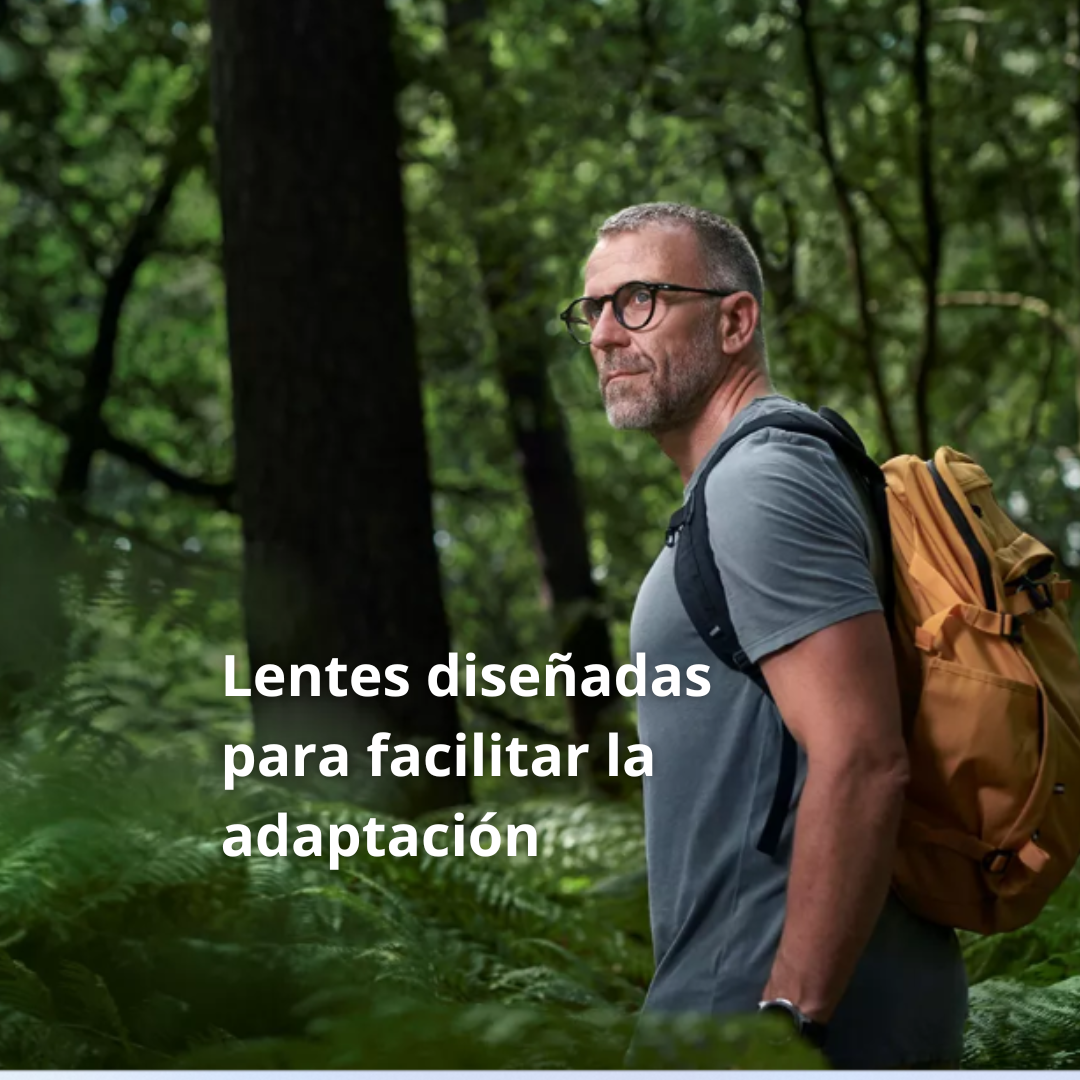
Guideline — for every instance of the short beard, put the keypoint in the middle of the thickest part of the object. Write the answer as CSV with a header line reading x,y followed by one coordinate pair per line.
x,y
657,407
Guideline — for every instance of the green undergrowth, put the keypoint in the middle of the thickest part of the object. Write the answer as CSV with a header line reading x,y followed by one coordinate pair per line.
x,y
127,938
1025,991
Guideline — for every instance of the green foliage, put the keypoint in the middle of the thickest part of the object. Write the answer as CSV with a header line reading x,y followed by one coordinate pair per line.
x,y
126,937
1040,954
706,103
1025,995
131,939
1015,1026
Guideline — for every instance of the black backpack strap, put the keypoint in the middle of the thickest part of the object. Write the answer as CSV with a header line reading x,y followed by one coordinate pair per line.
x,y
701,590
854,453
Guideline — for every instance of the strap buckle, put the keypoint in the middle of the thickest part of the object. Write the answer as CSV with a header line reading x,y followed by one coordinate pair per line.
x,y
680,518
1039,592
997,861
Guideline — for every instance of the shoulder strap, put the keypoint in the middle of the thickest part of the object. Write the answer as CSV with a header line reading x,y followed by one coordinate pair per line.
x,y
701,590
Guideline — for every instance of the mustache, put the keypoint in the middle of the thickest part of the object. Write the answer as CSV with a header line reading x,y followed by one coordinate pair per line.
x,y
622,365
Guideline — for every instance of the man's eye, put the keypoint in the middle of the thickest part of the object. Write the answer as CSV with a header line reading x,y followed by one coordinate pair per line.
x,y
591,310
641,297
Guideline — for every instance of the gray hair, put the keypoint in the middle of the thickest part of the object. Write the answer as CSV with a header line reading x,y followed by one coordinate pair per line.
x,y
728,257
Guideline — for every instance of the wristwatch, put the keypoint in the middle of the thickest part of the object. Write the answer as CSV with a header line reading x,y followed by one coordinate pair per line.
x,y
812,1031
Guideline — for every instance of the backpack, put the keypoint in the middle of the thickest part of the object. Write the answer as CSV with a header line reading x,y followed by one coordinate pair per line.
x,y
988,670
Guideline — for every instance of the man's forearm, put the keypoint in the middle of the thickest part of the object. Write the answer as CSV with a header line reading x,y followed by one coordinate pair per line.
x,y
845,840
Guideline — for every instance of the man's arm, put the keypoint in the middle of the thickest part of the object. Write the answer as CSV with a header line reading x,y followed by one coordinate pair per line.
x,y
836,690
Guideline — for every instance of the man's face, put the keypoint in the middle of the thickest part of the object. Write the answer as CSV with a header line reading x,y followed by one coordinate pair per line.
x,y
658,378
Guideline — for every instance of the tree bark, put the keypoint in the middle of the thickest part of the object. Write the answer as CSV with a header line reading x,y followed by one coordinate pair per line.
x,y
332,471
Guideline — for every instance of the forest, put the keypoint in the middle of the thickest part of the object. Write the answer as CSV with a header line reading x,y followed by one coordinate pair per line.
x,y
282,378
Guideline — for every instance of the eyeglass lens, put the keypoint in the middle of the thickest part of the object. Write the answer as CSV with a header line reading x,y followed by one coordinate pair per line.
x,y
633,308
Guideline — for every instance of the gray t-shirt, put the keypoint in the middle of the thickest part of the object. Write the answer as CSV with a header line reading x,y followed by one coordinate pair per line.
x,y
797,552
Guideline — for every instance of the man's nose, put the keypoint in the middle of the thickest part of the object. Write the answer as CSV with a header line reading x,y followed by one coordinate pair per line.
x,y
608,331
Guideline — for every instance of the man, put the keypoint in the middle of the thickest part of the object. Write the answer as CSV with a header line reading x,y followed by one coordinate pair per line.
x,y
672,316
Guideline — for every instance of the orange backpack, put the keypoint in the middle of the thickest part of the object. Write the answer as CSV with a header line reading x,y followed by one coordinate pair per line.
x,y
992,821
989,677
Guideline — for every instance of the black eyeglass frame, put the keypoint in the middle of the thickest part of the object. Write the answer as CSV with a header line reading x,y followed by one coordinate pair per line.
x,y
653,287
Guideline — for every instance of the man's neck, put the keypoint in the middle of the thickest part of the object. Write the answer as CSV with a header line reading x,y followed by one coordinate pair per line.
x,y
687,446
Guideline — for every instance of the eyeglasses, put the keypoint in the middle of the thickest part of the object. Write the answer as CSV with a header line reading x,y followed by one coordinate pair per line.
x,y
633,304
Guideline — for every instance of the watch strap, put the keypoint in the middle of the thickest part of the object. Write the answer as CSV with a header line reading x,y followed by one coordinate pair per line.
x,y
813,1031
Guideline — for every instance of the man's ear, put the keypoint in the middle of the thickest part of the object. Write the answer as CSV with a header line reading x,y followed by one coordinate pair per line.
x,y
738,321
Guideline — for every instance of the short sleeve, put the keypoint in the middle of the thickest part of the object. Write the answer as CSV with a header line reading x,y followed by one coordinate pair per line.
x,y
791,540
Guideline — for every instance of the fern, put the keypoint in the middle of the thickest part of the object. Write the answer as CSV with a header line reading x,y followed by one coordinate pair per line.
x,y
91,1004
23,992
1017,1026
132,941
1045,952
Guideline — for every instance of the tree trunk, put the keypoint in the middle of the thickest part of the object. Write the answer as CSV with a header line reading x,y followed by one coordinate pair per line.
x,y
487,130
547,467
1074,43
932,226
853,229
332,471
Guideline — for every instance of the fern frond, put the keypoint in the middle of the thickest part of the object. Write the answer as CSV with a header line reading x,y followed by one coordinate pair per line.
x,y
22,991
89,1002
1012,1025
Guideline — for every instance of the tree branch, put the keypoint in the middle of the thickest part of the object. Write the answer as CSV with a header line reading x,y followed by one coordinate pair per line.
x,y
743,167
853,229
220,492
1035,305
1018,170
1068,332
1045,383
893,227
968,14
85,425
471,491
133,532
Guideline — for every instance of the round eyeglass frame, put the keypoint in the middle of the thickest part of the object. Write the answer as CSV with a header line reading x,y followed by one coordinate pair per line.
x,y
572,317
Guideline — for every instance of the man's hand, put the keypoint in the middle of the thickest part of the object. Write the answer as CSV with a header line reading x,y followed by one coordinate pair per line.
x,y
837,693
